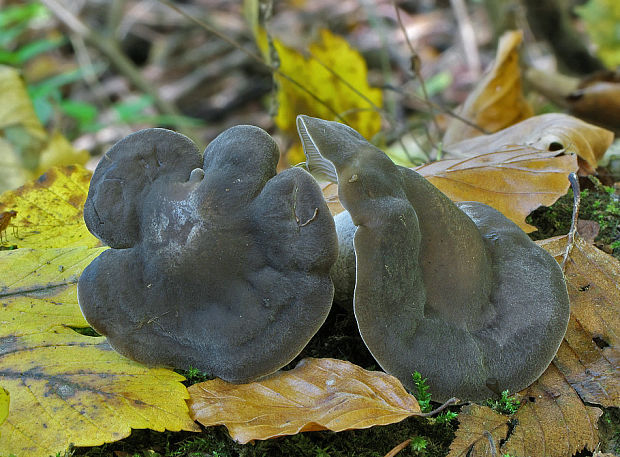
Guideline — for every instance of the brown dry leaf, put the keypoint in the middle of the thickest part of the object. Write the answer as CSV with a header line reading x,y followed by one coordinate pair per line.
x,y
518,169
589,356
554,419
552,422
318,394
598,100
548,132
476,425
497,101
513,179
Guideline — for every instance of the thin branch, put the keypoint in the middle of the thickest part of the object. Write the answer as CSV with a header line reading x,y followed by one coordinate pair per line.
x,y
468,36
452,401
109,47
574,182
252,55
415,66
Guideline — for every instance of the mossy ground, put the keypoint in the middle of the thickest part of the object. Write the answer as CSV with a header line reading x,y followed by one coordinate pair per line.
x,y
339,338
599,203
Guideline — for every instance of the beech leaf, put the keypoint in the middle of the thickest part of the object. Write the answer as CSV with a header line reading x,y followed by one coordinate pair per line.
x,y
554,419
547,132
318,394
589,356
497,100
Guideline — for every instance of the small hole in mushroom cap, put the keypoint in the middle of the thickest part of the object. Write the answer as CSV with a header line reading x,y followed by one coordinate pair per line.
x,y
555,146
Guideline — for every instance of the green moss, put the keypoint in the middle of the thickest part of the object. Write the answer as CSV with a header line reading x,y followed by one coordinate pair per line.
x,y
599,204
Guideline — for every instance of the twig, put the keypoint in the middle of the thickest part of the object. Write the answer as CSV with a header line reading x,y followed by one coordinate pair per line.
x,y
489,437
109,47
452,401
415,66
398,448
468,36
574,182
252,55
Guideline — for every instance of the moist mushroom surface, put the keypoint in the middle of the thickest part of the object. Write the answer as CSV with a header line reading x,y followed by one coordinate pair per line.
x,y
455,291
217,262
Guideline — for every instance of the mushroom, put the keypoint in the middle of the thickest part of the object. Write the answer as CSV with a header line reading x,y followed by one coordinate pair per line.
x,y
455,291
218,264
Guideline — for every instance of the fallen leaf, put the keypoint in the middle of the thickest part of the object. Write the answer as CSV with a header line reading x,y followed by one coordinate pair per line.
x,y
590,353
476,425
4,405
597,99
330,193
497,101
318,394
16,108
353,101
555,418
546,132
50,210
513,180
66,387
552,421
58,152
26,149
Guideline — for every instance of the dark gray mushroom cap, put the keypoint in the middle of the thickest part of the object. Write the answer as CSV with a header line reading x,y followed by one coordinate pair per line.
x,y
455,291
227,266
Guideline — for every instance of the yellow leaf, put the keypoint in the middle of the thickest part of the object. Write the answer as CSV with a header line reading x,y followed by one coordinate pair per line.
x,y
338,100
318,394
49,210
4,405
25,148
58,152
497,101
16,108
66,387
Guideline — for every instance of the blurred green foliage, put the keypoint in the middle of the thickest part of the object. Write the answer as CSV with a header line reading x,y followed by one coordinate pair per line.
x,y
602,21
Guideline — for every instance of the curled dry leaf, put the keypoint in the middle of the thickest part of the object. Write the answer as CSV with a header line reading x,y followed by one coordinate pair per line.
x,y
318,394
553,132
554,419
50,210
4,405
497,101
515,170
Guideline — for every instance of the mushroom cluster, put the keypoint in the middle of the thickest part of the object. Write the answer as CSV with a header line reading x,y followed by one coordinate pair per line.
x,y
216,262
455,291
220,264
